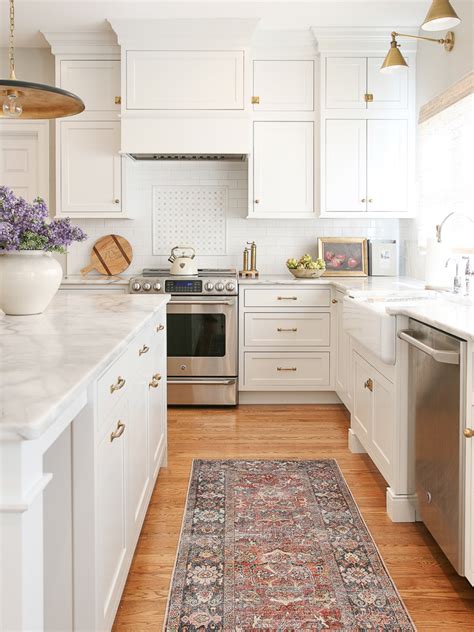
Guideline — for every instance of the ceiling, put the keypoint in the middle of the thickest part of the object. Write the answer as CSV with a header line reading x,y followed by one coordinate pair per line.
x,y
36,16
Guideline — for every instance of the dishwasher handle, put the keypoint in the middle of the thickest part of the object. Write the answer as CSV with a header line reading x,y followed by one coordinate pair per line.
x,y
446,357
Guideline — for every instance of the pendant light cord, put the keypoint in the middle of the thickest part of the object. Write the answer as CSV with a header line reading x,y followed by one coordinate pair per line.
x,y
11,54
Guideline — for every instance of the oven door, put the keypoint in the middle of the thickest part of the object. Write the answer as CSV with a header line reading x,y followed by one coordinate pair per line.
x,y
202,336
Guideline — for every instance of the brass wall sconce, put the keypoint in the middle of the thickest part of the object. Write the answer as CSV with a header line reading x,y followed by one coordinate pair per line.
x,y
441,15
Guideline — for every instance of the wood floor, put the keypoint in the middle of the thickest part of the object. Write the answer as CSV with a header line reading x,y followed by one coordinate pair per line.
x,y
436,597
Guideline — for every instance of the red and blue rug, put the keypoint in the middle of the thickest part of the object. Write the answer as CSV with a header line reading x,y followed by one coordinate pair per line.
x,y
278,545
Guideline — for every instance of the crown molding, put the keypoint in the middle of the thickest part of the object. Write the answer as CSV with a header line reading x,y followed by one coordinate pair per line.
x,y
374,40
282,42
83,42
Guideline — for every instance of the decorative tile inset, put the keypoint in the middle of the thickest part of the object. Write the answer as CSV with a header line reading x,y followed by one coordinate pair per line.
x,y
190,216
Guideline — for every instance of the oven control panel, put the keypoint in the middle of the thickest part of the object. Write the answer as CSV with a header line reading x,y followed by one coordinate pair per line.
x,y
190,285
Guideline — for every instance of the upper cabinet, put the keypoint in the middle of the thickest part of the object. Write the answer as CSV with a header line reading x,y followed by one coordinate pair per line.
x,y
282,169
356,83
97,82
185,80
283,85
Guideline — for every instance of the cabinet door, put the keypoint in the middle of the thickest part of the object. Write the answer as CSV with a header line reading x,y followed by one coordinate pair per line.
x,y
284,86
361,418
343,356
389,90
383,425
19,168
387,166
96,82
138,461
345,166
90,173
157,415
185,80
111,513
346,83
469,501
283,169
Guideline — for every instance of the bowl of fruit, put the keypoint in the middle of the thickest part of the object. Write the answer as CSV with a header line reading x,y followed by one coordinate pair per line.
x,y
306,268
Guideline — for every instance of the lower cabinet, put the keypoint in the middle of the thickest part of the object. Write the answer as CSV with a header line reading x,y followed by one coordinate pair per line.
x,y
373,413
116,461
343,374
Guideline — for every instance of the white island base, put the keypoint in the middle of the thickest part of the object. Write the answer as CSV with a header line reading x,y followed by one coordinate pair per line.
x,y
83,436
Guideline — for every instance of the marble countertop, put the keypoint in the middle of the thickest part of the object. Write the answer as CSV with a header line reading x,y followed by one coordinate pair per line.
x,y
48,359
345,284
77,279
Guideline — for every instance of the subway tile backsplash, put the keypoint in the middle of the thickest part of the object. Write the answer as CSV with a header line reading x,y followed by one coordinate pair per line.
x,y
276,239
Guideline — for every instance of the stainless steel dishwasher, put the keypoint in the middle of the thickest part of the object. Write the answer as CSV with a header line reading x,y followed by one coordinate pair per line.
x,y
435,394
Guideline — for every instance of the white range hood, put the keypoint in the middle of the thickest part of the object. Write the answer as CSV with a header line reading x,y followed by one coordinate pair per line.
x,y
184,95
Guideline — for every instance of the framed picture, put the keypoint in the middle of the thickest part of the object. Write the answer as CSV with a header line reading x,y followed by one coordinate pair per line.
x,y
344,256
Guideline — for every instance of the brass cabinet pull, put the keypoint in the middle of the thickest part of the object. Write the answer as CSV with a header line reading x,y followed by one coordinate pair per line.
x,y
289,329
282,368
160,327
120,383
155,381
287,298
468,433
334,301
119,432
118,100
255,100
369,384
368,97
143,350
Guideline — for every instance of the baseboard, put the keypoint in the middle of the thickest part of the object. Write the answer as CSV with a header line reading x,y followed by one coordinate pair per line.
x,y
355,446
401,507
288,397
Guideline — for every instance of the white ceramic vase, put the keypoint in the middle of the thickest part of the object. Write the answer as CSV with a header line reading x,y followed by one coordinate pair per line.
x,y
28,281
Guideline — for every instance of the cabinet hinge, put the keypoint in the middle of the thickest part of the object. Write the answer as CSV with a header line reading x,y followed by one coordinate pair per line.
x,y
255,100
368,98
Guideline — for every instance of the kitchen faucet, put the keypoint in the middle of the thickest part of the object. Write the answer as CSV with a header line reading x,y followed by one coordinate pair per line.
x,y
439,227
457,279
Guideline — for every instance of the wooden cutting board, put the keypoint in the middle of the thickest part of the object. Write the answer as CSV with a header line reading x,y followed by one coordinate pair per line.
x,y
111,254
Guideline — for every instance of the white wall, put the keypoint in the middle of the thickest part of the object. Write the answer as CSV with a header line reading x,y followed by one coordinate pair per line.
x,y
276,239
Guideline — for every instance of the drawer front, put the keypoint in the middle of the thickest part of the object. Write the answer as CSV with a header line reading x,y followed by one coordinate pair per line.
x,y
287,330
116,382
287,371
287,296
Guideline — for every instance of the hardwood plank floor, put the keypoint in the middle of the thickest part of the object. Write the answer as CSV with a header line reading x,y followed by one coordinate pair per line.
x,y
436,597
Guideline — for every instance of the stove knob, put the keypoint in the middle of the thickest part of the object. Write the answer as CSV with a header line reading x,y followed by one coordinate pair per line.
x,y
157,287
136,287
209,287
147,287
230,287
219,286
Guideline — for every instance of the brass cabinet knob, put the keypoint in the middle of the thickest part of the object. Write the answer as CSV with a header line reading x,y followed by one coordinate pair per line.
x,y
369,384
119,432
120,383
364,200
118,100
257,201
334,301
370,200
468,433
143,350
116,201
255,100
160,327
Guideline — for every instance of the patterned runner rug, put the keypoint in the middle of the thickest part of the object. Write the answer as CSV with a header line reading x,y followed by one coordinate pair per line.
x,y
278,545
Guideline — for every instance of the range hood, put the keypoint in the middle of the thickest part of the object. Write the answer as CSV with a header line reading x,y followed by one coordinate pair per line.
x,y
190,157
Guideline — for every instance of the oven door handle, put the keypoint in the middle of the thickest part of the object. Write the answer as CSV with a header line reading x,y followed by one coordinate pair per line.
x,y
201,302
204,382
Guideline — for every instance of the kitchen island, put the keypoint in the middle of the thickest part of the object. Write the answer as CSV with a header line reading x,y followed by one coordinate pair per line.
x,y
73,491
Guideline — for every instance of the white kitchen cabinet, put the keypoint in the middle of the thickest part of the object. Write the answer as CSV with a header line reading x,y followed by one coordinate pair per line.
x,y
268,371
112,528
357,178
185,80
90,173
345,176
356,83
283,166
96,81
283,85
346,82
387,180
287,330
158,399
373,416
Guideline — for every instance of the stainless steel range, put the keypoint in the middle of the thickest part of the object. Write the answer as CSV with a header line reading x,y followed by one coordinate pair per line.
x,y
202,333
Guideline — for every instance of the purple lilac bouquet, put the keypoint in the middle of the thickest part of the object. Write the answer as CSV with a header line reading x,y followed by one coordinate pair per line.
x,y
25,226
